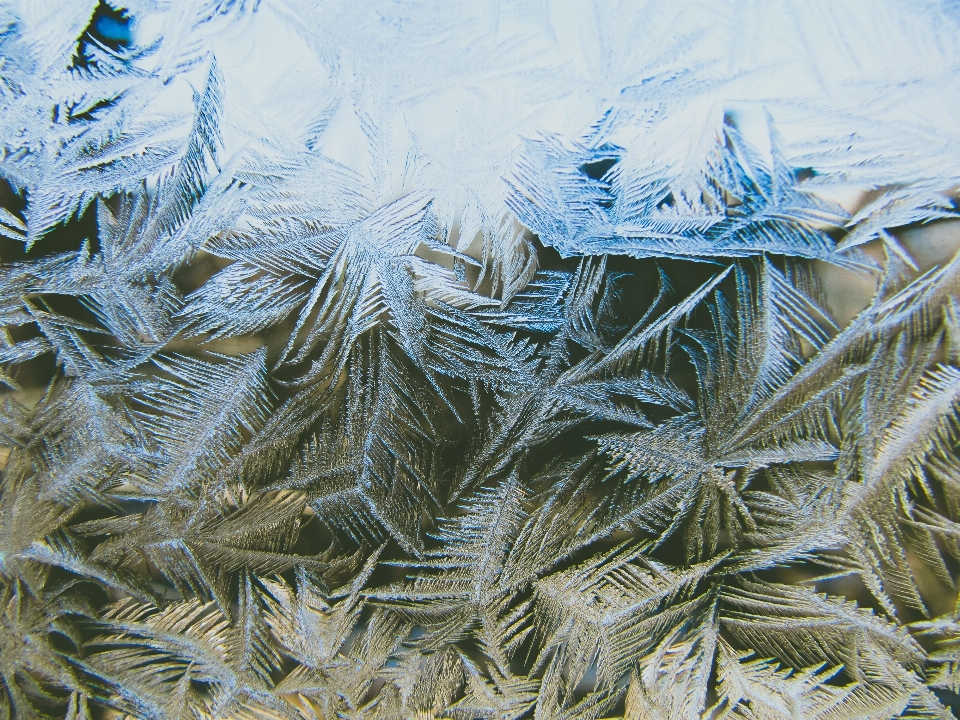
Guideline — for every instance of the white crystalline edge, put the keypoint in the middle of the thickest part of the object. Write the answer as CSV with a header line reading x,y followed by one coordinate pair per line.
x,y
457,86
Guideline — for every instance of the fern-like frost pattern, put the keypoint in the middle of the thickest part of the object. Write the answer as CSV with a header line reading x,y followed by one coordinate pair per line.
x,y
529,361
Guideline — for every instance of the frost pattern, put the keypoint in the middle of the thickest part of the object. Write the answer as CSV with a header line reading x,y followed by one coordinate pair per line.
x,y
478,360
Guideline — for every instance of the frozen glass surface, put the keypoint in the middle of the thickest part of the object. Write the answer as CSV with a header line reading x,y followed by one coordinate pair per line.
x,y
528,360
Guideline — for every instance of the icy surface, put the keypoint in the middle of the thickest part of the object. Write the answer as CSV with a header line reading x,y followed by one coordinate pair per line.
x,y
479,359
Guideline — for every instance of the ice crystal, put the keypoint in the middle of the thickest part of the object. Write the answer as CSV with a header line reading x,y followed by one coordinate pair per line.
x,y
479,360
